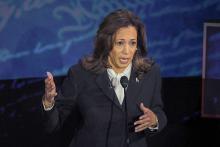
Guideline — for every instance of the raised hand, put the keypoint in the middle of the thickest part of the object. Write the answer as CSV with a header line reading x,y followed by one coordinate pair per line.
x,y
50,91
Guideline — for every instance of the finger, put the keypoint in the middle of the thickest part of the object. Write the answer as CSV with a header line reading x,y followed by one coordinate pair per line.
x,y
48,80
50,89
50,95
50,86
143,108
144,116
49,83
141,127
49,75
142,121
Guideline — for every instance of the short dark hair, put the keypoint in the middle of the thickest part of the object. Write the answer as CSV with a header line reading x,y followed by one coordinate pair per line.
x,y
104,41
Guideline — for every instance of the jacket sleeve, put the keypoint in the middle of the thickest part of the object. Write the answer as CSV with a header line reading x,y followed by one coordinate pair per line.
x,y
157,103
65,103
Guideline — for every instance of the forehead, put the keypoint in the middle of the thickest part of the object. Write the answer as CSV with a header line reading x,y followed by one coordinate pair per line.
x,y
129,32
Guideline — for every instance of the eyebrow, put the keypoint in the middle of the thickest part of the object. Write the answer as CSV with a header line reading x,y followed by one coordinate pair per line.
x,y
130,39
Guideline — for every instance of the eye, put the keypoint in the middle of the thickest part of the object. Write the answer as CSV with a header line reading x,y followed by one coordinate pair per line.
x,y
119,43
133,43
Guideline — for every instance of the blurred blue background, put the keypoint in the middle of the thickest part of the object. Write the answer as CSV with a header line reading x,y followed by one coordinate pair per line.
x,y
50,35
212,70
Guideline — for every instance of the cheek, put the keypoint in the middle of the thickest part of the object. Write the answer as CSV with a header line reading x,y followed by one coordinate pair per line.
x,y
132,52
114,55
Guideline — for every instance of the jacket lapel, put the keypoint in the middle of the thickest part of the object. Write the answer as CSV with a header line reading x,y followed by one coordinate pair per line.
x,y
134,87
104,84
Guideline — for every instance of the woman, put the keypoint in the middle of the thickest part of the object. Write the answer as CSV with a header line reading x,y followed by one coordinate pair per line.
x,y
93,95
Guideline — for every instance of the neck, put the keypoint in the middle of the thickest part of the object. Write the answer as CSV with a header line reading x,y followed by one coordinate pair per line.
x,y
118,70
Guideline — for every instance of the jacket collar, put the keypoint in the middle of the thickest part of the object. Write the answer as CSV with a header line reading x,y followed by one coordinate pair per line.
x,y
105,85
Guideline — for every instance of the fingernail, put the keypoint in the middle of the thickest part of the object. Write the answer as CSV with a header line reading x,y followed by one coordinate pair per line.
x,y
49,75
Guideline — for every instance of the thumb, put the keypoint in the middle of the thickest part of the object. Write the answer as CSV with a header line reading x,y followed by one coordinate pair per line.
x,y
143,108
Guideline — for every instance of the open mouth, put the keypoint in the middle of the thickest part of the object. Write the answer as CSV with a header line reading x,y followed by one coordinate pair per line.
x,y
124,60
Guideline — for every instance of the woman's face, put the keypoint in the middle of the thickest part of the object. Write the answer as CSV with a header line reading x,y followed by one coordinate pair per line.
x,y
124,48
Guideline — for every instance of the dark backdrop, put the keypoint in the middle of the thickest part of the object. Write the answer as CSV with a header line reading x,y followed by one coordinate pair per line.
x,y
21,122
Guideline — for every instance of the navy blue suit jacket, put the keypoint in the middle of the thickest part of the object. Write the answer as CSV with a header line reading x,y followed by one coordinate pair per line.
x,y
91,100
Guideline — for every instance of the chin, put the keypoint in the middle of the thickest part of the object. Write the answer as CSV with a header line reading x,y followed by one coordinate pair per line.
x,y
124,65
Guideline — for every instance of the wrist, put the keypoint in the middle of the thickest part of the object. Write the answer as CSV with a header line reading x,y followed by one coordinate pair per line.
x,y
155,124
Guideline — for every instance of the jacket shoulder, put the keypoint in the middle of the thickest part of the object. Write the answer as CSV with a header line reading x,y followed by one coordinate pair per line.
x,y
155,67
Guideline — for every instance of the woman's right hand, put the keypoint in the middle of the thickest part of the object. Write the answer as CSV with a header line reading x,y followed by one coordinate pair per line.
x,y
50,90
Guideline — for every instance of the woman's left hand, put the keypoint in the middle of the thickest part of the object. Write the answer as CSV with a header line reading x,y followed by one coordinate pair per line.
x,y
148,119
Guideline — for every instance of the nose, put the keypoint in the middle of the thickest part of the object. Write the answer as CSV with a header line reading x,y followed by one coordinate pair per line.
x,y
126,48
